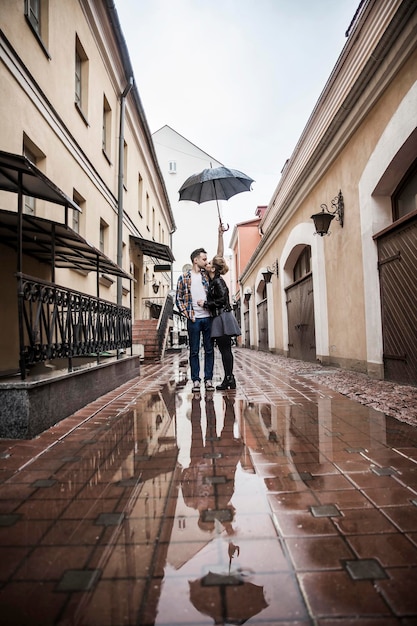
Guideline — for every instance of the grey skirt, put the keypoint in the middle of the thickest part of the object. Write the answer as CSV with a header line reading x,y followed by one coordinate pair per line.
x,y
225,324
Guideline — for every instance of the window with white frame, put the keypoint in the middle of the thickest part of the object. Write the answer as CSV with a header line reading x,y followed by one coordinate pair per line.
x,y
103,236
36,13
106,135
35,155
76,215
140,195
33,13
125,155
81,78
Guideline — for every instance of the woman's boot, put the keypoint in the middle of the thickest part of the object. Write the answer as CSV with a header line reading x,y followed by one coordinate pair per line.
x,y
232,382
229,382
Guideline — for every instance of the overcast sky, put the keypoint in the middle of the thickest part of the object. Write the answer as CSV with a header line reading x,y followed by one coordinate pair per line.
x,y
238,78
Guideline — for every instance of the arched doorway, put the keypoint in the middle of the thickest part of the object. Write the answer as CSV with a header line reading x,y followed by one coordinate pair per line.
x,y
300,310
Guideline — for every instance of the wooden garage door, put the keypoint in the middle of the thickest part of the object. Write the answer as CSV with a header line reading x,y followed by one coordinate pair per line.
x,y
247,329
397,262
301,331
262,312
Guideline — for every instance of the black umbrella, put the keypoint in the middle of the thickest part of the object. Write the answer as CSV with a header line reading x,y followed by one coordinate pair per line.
x,y
218,183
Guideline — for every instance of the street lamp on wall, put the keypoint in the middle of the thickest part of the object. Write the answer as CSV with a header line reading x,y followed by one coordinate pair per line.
x,y
322,220
247,294
155,287
267,274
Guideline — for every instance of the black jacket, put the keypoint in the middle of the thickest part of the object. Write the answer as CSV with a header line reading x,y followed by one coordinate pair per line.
x,y
218,296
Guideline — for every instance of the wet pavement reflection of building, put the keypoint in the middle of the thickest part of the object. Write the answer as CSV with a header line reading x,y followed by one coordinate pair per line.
x,y
280,502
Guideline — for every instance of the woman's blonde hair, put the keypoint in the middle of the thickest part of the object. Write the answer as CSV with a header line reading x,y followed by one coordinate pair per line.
x,y
219,264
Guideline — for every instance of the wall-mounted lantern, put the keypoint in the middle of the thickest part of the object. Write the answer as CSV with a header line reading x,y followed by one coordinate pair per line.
x,y
155,287
247,294
322,220
267,274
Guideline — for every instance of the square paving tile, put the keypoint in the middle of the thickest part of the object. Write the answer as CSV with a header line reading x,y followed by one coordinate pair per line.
x,y
333,594
318,553
9,519
78,580
365,569
325,510
391,550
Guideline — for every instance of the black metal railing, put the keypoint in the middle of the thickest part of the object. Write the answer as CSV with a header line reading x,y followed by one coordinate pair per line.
x,y
165,315
57,322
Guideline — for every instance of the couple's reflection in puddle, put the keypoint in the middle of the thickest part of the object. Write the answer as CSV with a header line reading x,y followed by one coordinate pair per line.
x,y
209,481
225,592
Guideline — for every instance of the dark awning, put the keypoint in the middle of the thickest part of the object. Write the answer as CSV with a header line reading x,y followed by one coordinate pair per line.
x,y
16,170
154,249
45,240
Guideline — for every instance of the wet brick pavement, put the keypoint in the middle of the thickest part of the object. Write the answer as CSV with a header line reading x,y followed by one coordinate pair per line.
x,y
283,502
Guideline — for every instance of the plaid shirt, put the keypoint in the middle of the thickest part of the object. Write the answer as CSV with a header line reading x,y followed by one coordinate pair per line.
x,y
184,299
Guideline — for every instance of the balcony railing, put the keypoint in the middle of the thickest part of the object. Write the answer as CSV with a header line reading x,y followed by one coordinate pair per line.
x,y
162,328
57,322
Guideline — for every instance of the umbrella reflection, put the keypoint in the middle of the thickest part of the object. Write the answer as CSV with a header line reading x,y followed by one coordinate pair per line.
x,y
227,599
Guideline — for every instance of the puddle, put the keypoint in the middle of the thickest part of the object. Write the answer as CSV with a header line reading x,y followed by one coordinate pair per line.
x,y
182,509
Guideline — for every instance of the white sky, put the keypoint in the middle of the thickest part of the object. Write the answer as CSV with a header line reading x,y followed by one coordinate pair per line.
x,y
238,78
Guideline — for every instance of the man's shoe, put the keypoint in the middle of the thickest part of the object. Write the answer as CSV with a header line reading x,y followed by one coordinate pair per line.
x,y
196,386
209,385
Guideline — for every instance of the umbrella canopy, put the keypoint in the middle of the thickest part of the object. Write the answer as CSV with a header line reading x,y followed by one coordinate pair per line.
x,y
218,183
227,599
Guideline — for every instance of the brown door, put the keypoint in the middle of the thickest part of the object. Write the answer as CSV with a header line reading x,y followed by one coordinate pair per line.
x,y
301,331
247,330
397,262
262,312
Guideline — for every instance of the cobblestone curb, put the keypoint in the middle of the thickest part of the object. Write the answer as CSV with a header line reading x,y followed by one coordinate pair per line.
x,y
399,401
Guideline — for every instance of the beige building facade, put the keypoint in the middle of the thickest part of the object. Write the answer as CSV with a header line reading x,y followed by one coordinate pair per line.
x,y
348,299
87,209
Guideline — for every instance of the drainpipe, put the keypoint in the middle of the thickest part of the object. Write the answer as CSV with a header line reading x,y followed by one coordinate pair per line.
x,y
120,189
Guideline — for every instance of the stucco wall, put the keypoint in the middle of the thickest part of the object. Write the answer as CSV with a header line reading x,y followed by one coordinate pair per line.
x,y
344,264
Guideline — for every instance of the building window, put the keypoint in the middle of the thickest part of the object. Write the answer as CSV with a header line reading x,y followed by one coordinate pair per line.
x,y
125,165
405,196
36,13
81,78
76,215
33,12
140,195
29,203
172,167
31,152
106,137
147,216
103,236
303,264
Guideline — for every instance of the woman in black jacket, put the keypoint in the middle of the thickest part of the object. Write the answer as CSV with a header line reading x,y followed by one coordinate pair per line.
x,y
224,325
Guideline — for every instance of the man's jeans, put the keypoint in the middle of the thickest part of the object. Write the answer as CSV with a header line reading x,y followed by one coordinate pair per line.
x,y
201,326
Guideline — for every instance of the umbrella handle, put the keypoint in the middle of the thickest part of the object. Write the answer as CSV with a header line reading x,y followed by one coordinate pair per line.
x,y
224,229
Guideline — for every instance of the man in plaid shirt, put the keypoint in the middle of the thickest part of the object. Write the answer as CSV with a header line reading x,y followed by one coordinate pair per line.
x,y
191,295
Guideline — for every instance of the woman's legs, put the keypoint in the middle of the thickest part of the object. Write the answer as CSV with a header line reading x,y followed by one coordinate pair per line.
x,y
225,346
